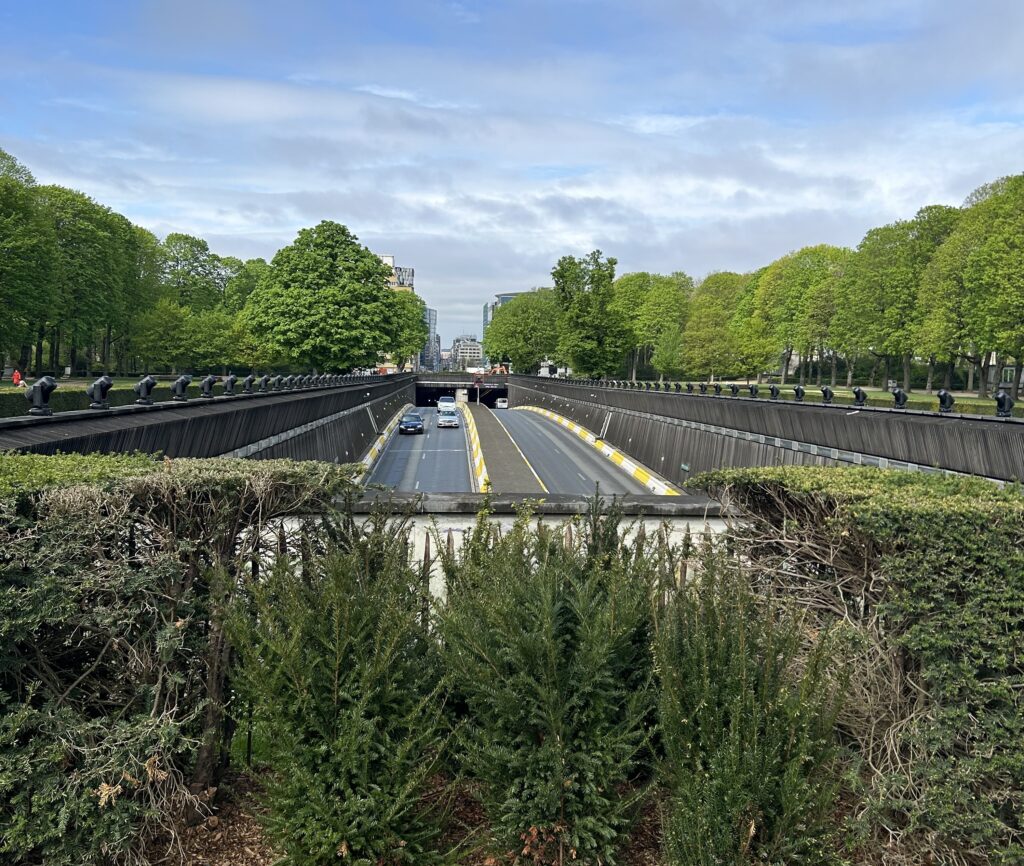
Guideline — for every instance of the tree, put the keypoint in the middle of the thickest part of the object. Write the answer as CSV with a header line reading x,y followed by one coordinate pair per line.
x,y
409,328
88,268
192,273
525,330
994,271
325,301
647,304
27,252
242,281
594,338
709,344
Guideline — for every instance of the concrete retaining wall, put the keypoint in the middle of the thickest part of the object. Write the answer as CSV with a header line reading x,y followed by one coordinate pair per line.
x,y
336,423
681,434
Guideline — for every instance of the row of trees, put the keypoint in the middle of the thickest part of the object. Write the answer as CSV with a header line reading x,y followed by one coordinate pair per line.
x,y
81,286
942,290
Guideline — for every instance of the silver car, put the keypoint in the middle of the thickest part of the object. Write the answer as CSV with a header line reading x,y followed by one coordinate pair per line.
x,y
447,418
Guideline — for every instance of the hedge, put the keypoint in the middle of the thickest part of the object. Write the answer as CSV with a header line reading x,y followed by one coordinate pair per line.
x,y
115,575
931,571
14,403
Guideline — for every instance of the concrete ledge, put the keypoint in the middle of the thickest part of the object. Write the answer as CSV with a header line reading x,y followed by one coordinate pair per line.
x,y
632,505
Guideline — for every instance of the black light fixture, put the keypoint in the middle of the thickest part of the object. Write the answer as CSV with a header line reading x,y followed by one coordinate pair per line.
x,y
773,389
206,386
899,398
247,383
752,387
276,383
946,401
1004,405
860,397
647,386
799,391
287,383
678,387
229,385
144,388
735,389
38,394
179,390
827,394
689,387
718,389
703,387
97,392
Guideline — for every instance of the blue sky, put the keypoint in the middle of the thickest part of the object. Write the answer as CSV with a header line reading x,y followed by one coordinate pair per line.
x,y
480,141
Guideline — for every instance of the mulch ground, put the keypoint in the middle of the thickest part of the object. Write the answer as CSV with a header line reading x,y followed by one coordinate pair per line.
x,y
232,835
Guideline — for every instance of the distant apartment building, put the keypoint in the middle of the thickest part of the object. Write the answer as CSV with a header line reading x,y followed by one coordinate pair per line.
x,y
466,352
401,279
430,356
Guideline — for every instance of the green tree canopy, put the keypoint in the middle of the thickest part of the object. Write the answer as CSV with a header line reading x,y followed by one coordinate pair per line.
x,y
27,252
409,331
710,346
594,338
325,302
525,330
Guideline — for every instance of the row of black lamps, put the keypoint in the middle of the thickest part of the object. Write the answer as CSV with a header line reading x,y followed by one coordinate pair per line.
x,y
38,394
1004,402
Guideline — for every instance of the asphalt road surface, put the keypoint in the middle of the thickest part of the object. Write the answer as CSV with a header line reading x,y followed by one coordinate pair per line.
x,y
563,461
435,462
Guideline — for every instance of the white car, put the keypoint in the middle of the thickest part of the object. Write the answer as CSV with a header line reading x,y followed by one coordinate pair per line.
x,y
445,403
501,403
447,418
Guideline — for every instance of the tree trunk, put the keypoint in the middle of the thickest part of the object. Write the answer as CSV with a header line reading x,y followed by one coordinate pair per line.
x,y
787,356
801,365
850,364
55,350
39,349
971,367
1016,372
832,380
983,375
931,373
885,372
948,381
1000,366
906,372
24,357
874,371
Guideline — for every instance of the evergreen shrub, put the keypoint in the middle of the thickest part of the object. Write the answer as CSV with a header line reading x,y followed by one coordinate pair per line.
x,y
930,570
547,641
337,660
748,702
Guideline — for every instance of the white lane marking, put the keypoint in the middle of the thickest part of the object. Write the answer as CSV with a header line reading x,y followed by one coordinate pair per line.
x,y
581,475
417,487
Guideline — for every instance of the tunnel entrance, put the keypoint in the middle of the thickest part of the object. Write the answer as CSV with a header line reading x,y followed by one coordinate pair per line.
x,y
427,395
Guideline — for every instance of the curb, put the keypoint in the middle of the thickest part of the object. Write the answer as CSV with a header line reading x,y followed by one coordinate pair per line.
x,y
480,478
651,480
378,445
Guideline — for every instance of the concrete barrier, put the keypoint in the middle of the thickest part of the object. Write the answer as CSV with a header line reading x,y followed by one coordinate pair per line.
x,y
650,479
481,483
680,434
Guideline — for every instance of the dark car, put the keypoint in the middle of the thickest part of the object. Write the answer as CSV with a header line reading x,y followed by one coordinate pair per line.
x,y
410,423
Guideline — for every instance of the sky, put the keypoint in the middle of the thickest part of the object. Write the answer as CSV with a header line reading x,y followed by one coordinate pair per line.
x,y
480,141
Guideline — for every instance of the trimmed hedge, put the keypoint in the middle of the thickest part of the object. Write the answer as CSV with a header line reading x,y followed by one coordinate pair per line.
x,y
931,571
113,658
14,403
